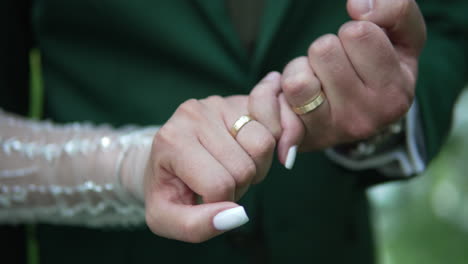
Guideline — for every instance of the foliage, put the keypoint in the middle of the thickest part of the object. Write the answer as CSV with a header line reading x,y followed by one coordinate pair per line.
x,y
425,220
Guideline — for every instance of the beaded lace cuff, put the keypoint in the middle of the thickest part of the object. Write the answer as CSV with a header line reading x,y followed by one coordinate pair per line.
x,y
75,174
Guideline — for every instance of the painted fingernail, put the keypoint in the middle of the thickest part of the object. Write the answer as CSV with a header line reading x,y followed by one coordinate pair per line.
x,y
271,76
230,218
291,157
363,6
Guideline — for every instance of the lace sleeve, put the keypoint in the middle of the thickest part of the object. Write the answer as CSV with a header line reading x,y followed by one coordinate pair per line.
x,y
75,174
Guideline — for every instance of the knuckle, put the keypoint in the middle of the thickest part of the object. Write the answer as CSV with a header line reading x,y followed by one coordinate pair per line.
x,y
165,136
402,8
357,30
245,173
397,109
402,106
189,105
259,92
400,98
360,131
191,108
325,47
295,85
222,187
263,146
359,128
276,132
215,99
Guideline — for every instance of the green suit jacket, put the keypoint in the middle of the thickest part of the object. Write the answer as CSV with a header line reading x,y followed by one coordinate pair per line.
x,y
120,62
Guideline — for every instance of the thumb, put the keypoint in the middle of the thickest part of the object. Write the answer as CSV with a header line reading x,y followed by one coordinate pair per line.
x,y
402,20
195,223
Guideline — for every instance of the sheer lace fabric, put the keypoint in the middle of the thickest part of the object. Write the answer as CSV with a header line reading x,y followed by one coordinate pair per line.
x,y
75,174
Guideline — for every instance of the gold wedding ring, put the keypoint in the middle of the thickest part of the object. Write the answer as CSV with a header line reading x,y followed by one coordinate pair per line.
x,y
311,105
242,121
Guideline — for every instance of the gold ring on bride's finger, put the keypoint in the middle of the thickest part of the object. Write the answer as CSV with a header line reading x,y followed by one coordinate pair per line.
x,y
311,105
240,122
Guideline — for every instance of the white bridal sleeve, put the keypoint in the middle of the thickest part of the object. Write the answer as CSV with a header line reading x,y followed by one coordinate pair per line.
x,y
75,174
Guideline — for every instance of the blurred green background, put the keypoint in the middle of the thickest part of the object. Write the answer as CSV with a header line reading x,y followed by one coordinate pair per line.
x,y
425,220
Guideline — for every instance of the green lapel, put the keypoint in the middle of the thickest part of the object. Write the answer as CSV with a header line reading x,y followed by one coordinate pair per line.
x,y
274,14
218,18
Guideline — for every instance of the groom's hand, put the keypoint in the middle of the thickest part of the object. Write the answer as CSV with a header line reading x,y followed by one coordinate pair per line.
x,y
367,72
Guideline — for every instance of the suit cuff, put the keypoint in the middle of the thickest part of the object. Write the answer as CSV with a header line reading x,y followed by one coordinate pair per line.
x,y
404,158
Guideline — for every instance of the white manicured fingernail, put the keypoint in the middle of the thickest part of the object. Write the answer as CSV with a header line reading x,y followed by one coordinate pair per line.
x,y
291,157
230,218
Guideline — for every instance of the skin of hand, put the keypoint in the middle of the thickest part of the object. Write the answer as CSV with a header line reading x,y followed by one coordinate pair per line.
x,y
367,72
194,154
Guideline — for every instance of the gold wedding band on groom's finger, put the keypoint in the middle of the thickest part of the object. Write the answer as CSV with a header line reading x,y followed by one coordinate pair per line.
x,y
240,122
311,105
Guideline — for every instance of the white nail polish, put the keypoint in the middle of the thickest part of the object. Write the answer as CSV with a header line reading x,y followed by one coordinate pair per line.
x,y
291,157
230,218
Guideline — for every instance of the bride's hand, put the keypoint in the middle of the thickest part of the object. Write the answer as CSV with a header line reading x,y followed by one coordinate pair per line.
x,y
195,155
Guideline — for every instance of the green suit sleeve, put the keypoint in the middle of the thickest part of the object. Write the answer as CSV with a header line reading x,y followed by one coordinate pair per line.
x,y
443,68
14,55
